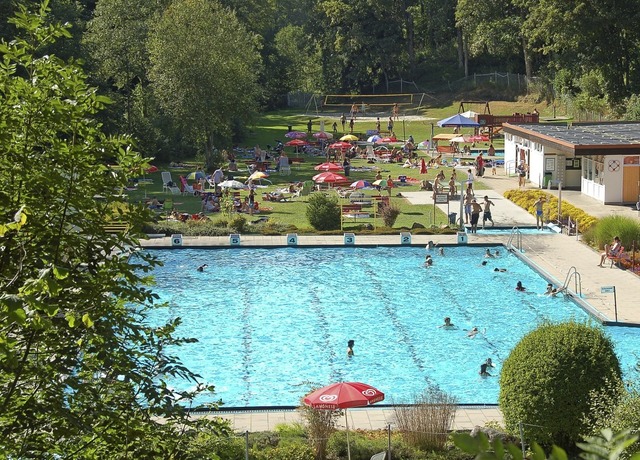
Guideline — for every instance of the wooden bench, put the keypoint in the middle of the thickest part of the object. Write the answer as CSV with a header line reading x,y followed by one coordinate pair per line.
x,y
116,227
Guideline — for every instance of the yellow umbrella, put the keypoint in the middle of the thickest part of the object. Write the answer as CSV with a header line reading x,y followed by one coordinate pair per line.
x,y
258,175
349,137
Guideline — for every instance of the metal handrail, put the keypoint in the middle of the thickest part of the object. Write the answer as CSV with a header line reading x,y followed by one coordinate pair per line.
x,y
573,274
517,234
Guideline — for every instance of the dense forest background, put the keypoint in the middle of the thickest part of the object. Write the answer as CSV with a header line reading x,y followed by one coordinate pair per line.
x,y
188,76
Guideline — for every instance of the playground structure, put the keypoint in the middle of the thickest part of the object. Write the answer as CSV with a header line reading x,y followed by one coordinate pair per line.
x,y
492,124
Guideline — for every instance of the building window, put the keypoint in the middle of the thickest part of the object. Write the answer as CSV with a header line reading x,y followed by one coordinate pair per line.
x,y
593,169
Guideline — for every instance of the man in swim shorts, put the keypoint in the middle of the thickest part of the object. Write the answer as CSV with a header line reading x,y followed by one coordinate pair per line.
x,y
538,205
475,215
487,211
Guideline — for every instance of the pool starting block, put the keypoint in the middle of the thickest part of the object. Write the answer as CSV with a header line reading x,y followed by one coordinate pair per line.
x,y
463,238
292,239
405,238
349,239
234,239
176,239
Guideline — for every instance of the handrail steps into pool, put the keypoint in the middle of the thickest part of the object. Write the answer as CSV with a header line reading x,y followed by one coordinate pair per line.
x,y
517,234
573,274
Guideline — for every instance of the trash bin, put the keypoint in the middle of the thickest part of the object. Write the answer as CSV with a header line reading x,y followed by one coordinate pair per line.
x,y
547,179
452,218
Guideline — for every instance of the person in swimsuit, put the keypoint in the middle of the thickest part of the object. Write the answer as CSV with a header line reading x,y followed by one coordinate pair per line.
x,y
350,345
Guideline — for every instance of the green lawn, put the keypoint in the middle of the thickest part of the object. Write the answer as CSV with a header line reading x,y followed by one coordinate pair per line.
x,y
273,126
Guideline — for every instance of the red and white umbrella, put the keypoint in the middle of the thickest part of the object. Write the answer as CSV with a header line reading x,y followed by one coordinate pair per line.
x,y
328,167
386,140
340,145
328,177
296,143
343,395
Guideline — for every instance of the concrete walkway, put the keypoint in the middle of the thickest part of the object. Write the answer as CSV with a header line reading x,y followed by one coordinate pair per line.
x,y
555,255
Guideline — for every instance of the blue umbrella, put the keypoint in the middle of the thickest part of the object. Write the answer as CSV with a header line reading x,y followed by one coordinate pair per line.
x,y
457,120
374,138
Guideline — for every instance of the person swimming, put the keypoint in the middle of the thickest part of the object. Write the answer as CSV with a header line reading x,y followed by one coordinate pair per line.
x,y
473,332
441,251
483,370
430,245
488,254
499,269
350,345
447,324
202,267
520,287
484,262
428,261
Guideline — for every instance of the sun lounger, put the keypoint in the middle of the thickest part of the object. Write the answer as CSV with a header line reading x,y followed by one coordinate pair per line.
x,y
617,257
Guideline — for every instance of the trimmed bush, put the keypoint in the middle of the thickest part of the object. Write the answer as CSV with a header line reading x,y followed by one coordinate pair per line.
x,y
323,211
547,379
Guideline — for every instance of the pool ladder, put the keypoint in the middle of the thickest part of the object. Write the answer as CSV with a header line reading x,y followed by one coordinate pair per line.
x,y
573,274
516,235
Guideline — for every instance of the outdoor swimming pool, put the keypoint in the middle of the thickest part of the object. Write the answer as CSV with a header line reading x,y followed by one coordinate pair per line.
x,y
272,322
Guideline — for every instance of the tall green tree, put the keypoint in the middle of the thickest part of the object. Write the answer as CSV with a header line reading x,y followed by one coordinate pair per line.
x,y
204,72
81,373
585,35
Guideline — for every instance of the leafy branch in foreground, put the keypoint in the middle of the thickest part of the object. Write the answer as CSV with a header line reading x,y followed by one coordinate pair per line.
x,y
82,375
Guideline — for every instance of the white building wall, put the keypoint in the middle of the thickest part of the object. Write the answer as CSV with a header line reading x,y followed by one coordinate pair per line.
x,y
612,180
509,154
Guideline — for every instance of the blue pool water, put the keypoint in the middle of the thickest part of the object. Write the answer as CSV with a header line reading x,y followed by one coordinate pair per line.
x,y
273,322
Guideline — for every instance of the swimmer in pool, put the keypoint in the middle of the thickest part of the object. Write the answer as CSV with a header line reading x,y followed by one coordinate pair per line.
x,y
499,269
473,332
430,245
441,251
488,254
483,370
428,261
520,287
484,262
202,267
448,324
350,345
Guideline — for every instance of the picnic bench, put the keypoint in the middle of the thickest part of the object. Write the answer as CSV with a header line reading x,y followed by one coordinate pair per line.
x,y
353,211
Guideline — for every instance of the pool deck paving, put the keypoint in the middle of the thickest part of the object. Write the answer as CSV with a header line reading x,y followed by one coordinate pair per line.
x,y
555,255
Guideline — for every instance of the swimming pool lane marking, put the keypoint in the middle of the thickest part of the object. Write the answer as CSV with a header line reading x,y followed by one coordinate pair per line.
x,y
247,330
397,323
325,334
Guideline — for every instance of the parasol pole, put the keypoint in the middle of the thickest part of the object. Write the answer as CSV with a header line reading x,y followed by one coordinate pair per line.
x,y
346,422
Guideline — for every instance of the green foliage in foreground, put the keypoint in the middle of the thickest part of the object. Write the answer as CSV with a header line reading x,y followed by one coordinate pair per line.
x,y
82,375
604,446
546,380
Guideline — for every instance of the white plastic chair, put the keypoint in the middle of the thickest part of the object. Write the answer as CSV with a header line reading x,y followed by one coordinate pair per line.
x,y
168,184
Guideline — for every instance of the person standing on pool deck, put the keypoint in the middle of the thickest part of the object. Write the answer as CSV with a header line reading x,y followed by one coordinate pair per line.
x,y
475,215
538,205
486,216
350,345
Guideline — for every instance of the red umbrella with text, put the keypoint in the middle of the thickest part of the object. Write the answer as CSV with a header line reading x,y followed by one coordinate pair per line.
x,y
343,395
296,143
328,177
340,145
